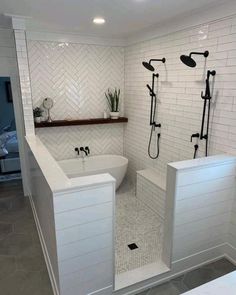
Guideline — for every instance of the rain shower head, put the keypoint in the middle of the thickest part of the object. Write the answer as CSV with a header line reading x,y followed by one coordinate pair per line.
x,y
148,65
189,61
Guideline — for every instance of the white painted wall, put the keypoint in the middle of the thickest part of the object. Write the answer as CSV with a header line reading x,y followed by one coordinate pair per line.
x,y
41,198
179,89
75,223
76,76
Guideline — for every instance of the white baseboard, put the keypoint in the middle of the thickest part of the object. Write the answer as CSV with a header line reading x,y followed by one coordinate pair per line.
x,y
103,291
45,251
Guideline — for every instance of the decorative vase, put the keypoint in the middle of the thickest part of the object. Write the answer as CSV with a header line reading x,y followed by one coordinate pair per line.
x,y
114,115
37,119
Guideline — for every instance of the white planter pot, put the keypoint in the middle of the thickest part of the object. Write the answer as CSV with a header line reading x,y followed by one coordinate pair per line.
x,y
37,119
114,115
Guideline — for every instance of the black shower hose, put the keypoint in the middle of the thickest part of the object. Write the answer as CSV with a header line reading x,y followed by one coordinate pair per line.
x,y
158,143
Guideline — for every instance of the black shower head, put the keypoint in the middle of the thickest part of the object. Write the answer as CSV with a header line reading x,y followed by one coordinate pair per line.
x,y
148,66
189,61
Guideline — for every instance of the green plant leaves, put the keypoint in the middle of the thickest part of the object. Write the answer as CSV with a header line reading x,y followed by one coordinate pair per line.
x,y
113,98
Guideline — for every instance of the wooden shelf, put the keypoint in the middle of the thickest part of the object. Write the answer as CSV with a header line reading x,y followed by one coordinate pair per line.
x,y
80,122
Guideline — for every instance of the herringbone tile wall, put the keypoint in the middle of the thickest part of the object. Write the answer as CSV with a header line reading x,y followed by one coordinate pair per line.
x,y
102,139
76,77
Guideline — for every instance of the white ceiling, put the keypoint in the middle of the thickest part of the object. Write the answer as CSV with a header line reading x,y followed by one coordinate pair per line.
x,y
123,17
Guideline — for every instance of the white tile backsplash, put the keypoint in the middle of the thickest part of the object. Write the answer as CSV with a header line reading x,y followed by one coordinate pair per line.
x,y
76,76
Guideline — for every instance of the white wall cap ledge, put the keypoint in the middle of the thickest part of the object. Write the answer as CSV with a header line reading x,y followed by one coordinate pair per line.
x,y
54,175
203,162
18,21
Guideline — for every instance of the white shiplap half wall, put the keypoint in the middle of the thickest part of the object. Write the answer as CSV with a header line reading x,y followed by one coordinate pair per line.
x,y
179,94
76,76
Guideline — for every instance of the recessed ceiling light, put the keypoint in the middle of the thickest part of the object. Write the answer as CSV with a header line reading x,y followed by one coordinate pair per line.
x,y
99,20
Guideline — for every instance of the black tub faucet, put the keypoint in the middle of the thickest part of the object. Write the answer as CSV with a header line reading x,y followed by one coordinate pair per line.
x,y
85,150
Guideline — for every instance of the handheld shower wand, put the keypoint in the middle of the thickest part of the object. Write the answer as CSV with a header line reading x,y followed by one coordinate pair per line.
x,y
207,102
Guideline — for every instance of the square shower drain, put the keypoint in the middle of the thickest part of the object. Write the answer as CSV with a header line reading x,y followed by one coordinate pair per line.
x,y
132,246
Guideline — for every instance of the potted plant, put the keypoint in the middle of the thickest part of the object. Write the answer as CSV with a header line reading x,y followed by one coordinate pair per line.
x,y
113,98
37,115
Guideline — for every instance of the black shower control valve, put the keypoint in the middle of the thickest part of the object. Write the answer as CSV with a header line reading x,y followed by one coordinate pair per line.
x,y
77,150
195,135
87,149
157,125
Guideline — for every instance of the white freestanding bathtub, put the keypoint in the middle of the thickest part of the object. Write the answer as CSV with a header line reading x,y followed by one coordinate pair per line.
x,y
112,164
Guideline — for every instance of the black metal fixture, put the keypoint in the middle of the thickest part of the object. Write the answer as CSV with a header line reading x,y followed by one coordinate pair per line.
x,y
153,96
189,61
207,105
85,150
77,150
148,65
196,146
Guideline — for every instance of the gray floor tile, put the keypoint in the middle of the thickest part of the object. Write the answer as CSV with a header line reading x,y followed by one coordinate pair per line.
x,y
198,277
179,284
23,269
5,230
15,244
24,283
8,266
222,266
31,260
164,289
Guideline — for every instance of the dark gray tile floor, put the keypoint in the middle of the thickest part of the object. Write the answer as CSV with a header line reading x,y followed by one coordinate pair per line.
x,y
193,279
22,267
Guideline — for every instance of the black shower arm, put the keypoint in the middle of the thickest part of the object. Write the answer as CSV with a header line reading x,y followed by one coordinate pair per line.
x,y
205,53
157,59
196,53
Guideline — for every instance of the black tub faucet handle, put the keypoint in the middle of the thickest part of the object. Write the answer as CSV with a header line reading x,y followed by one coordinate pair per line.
x,y
77,150
195,135
87,149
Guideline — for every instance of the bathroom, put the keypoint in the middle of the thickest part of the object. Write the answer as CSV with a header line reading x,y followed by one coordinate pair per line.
x,y
123,205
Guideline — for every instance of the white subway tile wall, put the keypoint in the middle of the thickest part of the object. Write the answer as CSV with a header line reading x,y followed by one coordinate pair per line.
x,y
151,195
179,94
25,83
76,76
